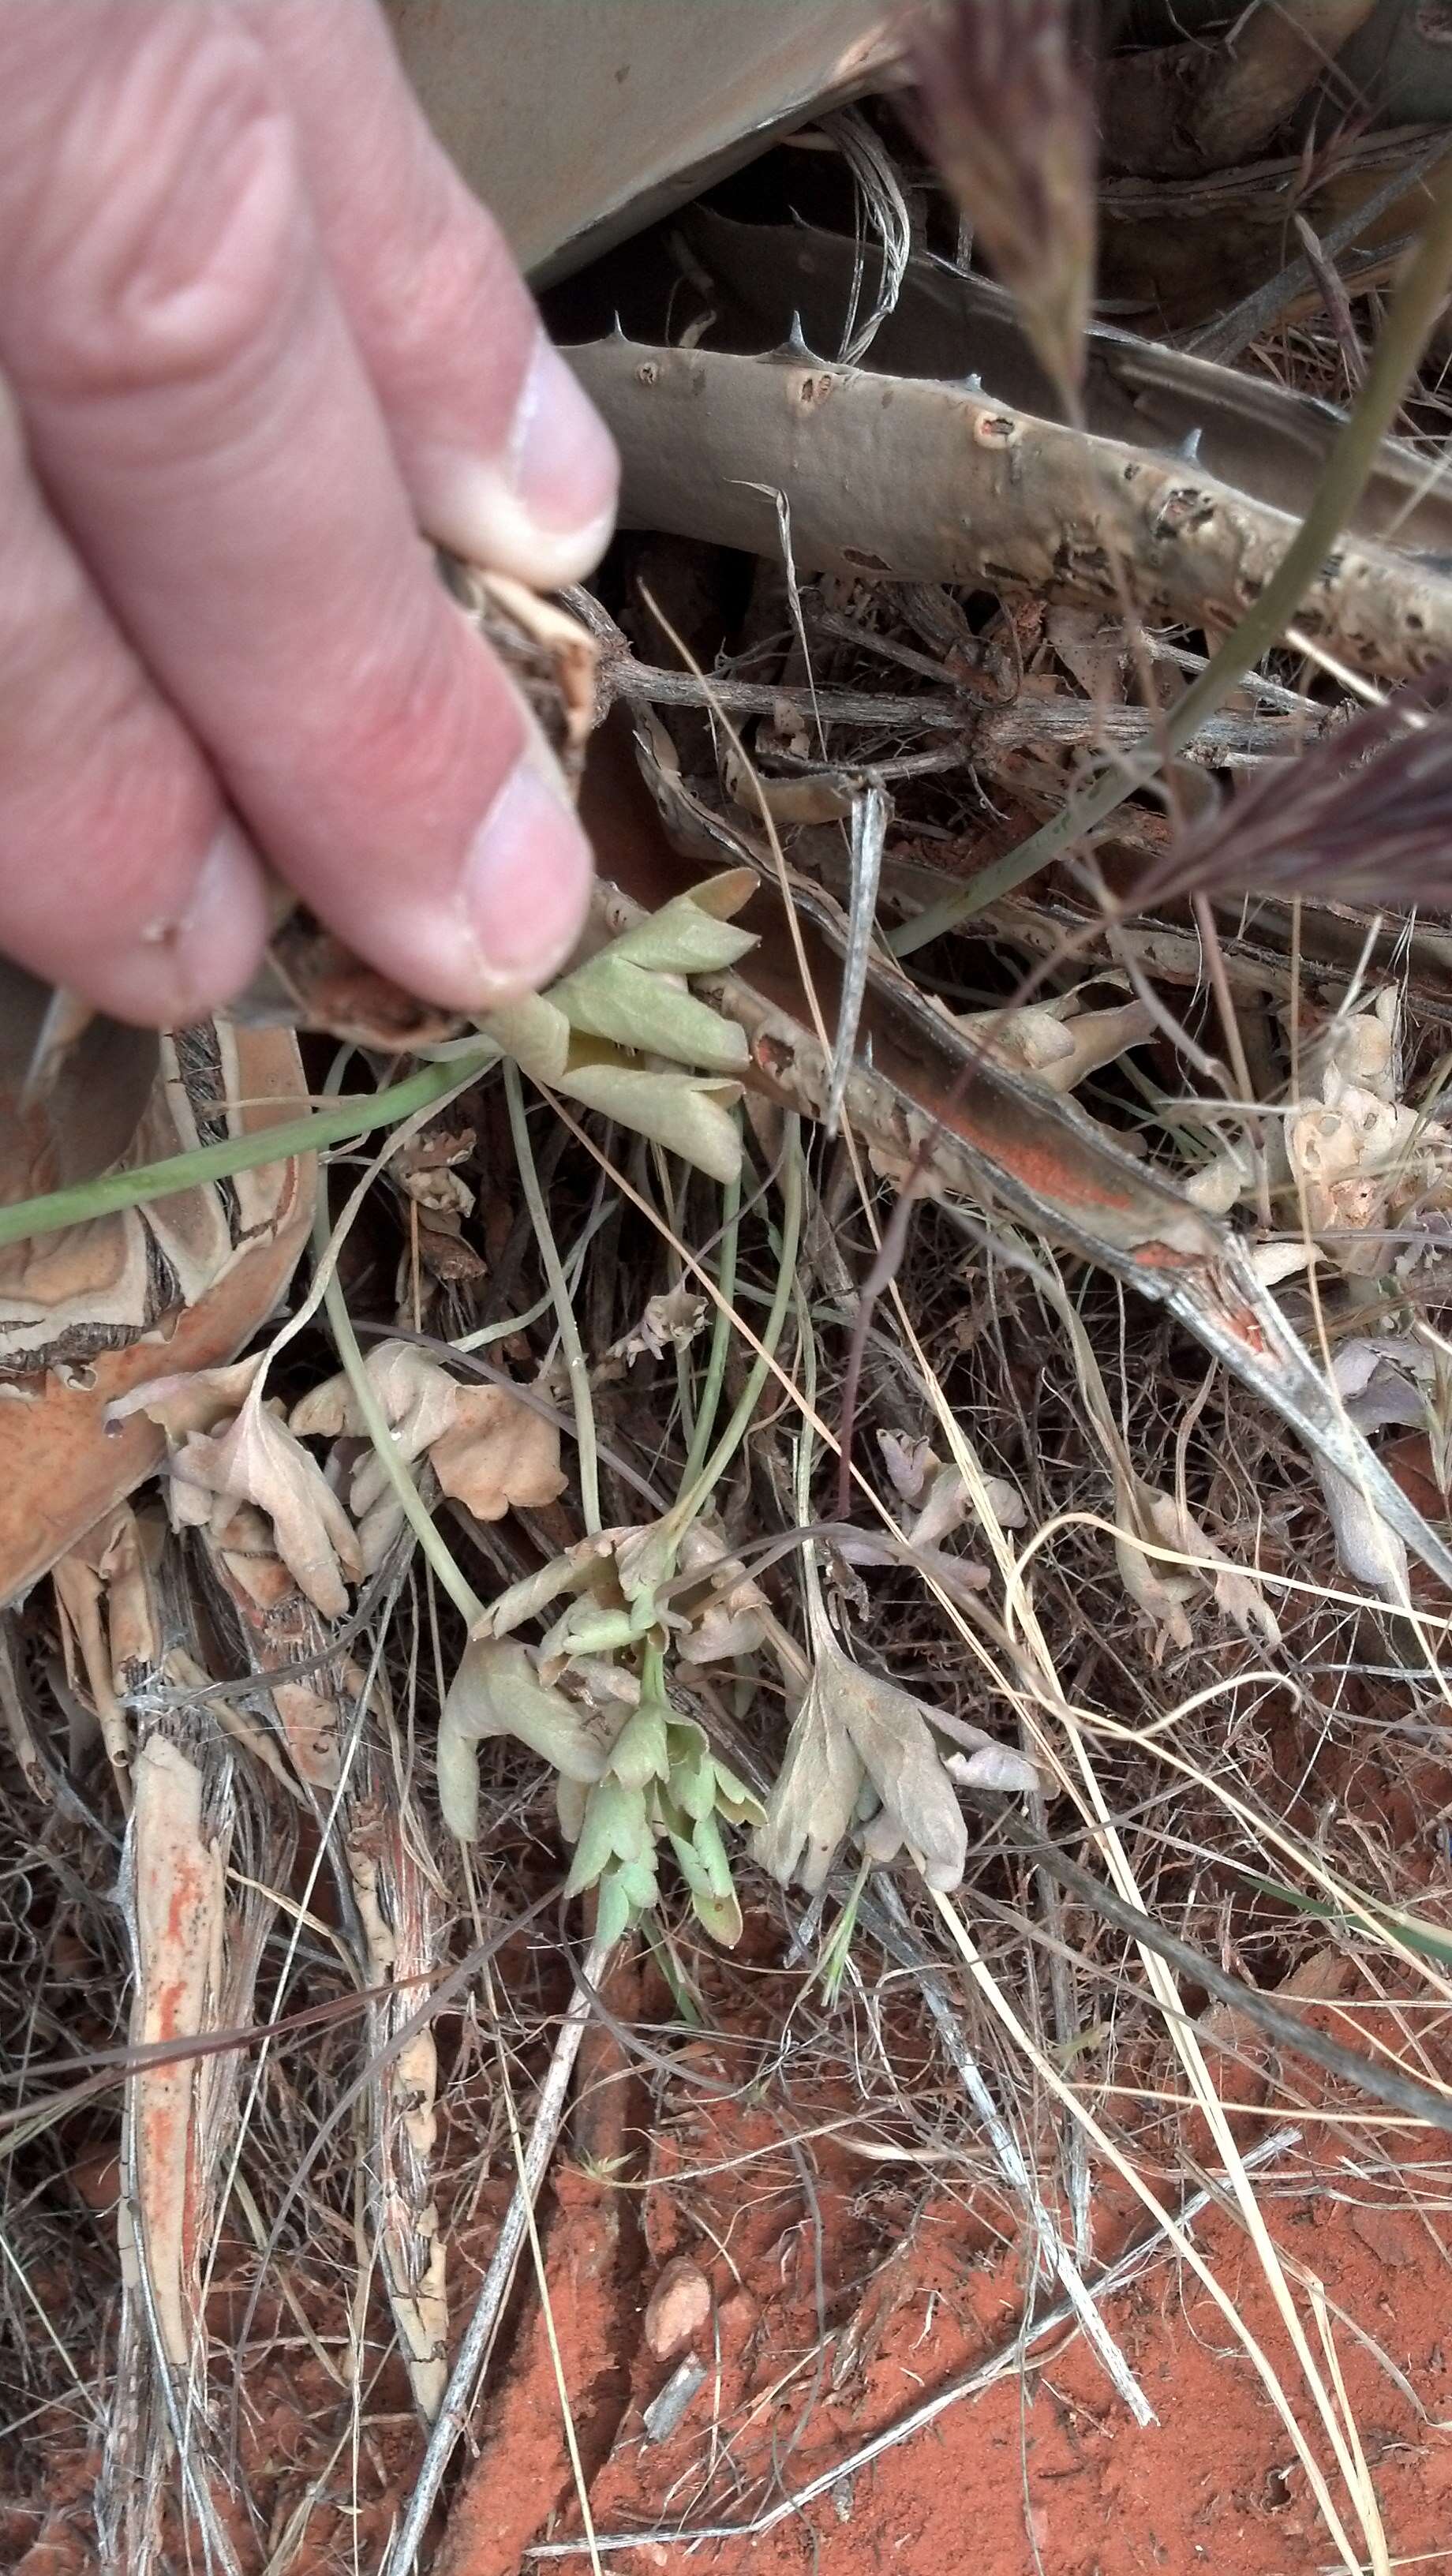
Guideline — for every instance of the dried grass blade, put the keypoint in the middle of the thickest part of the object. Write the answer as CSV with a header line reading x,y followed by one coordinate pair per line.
x,y
897,1937
871,814
1007,110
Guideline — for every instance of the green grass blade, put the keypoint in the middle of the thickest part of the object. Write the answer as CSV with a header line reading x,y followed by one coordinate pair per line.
x,y
111,1190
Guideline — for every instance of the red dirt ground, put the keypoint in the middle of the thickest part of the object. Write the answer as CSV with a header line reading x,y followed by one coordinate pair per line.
x,y
1049,2476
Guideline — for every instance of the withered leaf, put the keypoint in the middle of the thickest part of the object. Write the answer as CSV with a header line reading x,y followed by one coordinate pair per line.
x,y
896,1747
231,1448
814,1797
489,1451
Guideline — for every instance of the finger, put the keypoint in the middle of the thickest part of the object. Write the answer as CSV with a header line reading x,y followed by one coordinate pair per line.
x,y
120,875
203,422
506,459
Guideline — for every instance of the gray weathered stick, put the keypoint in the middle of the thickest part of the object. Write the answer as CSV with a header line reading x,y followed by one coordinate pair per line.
x,y
920,481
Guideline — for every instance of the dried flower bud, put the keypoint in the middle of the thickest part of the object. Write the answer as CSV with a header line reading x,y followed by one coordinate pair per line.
x,y
1006,108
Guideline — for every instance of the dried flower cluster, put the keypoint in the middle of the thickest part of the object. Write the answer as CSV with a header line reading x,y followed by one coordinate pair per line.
x,y
1365,814
1007,111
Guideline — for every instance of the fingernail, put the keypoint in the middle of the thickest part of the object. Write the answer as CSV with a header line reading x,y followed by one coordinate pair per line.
x,y
563,456
545,510
188,966
526,885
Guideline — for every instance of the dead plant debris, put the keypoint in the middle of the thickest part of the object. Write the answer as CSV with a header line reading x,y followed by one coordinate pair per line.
x,y
781,1717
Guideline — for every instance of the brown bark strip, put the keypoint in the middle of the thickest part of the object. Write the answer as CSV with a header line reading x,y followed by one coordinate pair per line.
x,y
1175,110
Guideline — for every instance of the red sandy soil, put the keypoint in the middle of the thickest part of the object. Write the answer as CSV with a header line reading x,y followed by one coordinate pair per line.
x,y
1054,2474
1049,2474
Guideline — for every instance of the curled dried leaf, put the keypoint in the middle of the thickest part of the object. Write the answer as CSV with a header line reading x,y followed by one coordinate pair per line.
x,y
1371,1553
589,1566
490,1451
729,1617
1385,1381
1159,1590
1059,1043
1359,1050
1353,1158
671,1321
1236,1592
944,1502
909,1463
996,1766
248,1456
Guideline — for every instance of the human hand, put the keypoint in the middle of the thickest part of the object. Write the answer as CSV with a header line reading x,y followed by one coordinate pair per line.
x,y
256,335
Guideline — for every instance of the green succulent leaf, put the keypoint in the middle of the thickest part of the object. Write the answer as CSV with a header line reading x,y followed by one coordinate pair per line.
x,y
640,1750
496,1691
613,999
707,1874
616,1828
690,935
614,1911
688,1114
738,1804
534,1033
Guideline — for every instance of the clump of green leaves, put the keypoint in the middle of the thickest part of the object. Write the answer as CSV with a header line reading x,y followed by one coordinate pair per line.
x,y
599,1035
662,1783
631,1774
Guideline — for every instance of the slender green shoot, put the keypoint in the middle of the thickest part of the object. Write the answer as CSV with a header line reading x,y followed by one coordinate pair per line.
x,y
715,1372
111,1190
694,1495
570,1342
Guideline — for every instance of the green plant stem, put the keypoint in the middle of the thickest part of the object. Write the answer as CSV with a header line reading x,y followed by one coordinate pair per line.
x,y
715,1376
1420,297
112,1190
570,1341
683,1512
375,1421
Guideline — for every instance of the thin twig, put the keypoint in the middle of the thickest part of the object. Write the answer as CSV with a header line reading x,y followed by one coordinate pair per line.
x,y
896,1937
461,2394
